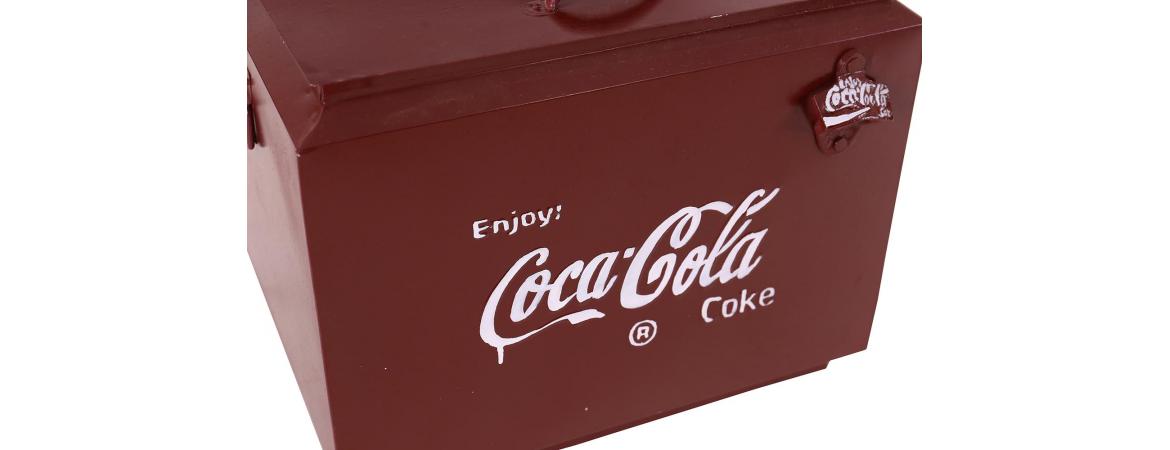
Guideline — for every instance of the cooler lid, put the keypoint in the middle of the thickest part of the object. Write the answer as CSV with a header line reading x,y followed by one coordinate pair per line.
x,y
341,50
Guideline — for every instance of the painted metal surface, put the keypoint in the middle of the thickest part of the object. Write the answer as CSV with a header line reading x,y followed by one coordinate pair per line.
x,y
606,238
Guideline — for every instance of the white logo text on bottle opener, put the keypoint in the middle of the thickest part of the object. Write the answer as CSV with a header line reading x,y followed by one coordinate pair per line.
x,y
731,257
854,98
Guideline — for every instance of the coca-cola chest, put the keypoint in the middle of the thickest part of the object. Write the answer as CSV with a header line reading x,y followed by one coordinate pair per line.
x,y
505,225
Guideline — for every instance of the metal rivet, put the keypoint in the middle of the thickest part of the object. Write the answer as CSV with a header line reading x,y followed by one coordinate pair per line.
x,y
840,145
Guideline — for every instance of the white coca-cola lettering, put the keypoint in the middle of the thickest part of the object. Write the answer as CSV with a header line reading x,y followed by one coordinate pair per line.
x,y
732,256
851,92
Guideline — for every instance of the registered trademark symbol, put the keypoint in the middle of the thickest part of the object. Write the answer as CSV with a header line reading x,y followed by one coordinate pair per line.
x,y
643,332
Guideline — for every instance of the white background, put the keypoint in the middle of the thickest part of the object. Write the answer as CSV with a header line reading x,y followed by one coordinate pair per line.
x,y
1025,301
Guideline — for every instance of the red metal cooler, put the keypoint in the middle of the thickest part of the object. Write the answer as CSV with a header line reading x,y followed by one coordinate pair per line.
x,y
505,225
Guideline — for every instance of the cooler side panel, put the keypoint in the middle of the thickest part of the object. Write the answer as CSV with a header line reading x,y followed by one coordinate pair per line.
x,y
279,253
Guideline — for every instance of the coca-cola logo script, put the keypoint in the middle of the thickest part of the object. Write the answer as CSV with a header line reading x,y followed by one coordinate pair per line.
x,y
667,261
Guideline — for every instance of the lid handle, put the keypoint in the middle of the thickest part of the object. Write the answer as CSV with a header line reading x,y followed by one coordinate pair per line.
x,y
617,9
